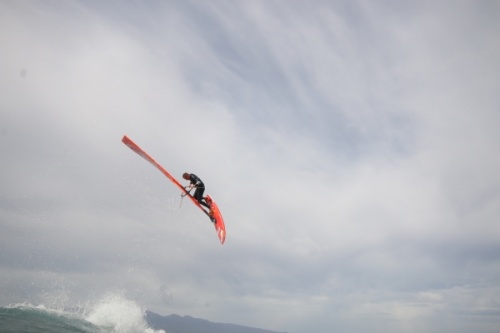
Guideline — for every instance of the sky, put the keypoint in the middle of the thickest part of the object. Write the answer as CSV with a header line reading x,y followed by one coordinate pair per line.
x,y
352,147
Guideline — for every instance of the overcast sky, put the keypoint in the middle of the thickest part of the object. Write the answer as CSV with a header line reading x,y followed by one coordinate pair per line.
x,y
352,147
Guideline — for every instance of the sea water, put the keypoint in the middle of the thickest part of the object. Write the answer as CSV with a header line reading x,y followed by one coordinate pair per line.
x,y
113,314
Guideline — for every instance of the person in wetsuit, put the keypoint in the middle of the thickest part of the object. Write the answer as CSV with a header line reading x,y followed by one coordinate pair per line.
x,y
196,182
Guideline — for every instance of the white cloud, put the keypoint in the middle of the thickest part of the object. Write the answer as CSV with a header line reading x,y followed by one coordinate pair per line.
x,y
351,146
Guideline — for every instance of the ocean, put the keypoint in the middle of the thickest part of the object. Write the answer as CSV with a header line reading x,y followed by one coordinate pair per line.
x,y
113,316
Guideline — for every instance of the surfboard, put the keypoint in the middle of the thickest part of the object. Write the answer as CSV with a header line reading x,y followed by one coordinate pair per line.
x,y
219,225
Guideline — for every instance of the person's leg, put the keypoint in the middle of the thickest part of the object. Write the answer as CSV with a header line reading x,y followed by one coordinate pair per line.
x,y
198,195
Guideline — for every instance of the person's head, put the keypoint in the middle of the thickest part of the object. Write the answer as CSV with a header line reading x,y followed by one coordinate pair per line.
x,y
186,175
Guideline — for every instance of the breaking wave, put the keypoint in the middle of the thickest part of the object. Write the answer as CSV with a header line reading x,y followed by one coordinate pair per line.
x,y
112,314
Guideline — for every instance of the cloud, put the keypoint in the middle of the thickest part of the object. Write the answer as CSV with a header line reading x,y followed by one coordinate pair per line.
x,y
351,146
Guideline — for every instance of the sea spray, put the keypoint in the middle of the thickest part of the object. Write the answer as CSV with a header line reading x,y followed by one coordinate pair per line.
x,y
120,315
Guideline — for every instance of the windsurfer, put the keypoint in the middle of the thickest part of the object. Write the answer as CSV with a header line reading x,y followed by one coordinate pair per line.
x,y
196,182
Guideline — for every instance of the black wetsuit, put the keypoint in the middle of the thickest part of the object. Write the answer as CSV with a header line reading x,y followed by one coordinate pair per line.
x,y
200,188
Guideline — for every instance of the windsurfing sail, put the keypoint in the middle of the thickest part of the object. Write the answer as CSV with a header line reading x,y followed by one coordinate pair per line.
x,y
214,214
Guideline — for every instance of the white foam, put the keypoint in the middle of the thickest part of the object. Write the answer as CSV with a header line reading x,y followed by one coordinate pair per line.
x,y
120,315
